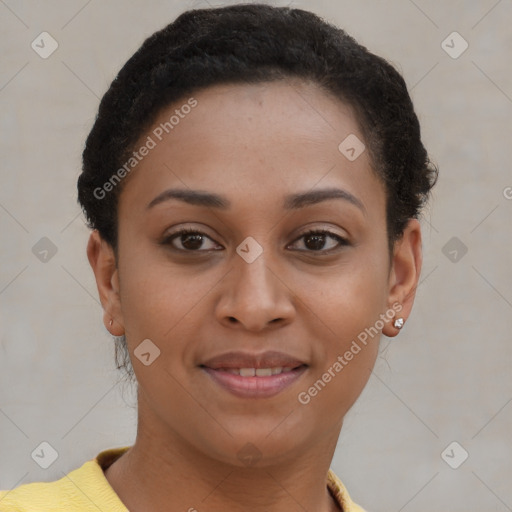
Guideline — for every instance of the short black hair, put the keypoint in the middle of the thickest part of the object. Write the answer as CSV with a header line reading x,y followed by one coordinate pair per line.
x,y
252,43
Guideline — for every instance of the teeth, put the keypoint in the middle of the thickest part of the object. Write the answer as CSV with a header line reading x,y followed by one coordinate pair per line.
x,y
259,372
263,372
247,372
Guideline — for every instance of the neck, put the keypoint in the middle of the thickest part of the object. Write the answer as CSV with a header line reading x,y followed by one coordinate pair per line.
x,y
163,472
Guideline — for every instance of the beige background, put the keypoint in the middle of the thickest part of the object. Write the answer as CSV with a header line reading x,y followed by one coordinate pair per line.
x,y
446,378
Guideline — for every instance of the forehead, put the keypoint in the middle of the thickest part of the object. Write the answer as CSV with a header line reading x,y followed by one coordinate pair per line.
x,y
253,142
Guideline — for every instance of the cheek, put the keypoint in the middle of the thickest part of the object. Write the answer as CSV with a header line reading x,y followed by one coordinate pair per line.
x,y
348,312
350,298
352,327
346,354
164,303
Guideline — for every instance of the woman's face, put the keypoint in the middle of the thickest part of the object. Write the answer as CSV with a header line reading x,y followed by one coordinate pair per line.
x,y
248,284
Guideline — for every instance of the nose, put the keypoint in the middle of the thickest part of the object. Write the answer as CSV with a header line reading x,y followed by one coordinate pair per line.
x,y
255,296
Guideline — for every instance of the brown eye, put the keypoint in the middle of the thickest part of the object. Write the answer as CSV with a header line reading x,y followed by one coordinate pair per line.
x,y
315,241
190,240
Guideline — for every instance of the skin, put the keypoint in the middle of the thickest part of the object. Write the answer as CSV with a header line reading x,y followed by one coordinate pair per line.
x,y
254,144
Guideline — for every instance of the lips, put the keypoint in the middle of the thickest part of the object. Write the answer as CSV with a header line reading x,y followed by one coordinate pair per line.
x,y
254,376
238,360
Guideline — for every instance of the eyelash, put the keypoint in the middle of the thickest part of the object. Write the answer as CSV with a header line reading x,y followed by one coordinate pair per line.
x,y
185,231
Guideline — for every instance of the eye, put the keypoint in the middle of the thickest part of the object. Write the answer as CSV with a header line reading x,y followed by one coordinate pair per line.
x,y
315,240
190,239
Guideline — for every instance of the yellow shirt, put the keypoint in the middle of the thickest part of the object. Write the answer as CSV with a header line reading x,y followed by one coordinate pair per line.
x,y
87,490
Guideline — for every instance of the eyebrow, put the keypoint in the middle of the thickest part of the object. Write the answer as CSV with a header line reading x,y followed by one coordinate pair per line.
x,y
291,202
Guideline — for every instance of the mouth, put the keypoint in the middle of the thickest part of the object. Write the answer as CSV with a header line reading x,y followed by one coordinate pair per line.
x,y
247,376
256,372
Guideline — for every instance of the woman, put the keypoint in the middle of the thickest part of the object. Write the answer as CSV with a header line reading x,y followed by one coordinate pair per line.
x,y
253,181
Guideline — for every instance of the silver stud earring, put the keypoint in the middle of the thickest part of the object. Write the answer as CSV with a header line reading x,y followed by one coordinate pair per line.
x,y
111,322
399,323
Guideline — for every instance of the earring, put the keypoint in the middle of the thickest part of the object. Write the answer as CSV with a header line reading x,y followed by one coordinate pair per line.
x,y
111,322
399,323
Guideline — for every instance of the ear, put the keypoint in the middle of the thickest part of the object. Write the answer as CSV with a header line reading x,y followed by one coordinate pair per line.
x,y
404,274
103,262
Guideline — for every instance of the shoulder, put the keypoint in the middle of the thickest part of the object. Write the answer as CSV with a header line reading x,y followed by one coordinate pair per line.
x,y
341,494
37,497
81,490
